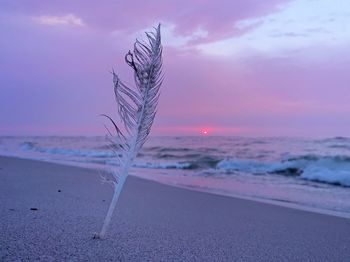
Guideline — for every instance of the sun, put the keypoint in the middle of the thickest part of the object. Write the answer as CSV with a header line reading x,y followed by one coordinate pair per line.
x,y
204,132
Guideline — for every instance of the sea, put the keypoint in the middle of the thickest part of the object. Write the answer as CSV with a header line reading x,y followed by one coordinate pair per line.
x,y
305,173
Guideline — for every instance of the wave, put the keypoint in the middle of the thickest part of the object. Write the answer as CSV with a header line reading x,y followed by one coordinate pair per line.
x,y
160,165
26,146
166,149
80,153
31,146
326,169
337,139
108,147
340,146
243,165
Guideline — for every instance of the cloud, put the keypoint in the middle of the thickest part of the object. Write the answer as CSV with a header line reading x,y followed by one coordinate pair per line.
x,y
293,28
207,20
69,19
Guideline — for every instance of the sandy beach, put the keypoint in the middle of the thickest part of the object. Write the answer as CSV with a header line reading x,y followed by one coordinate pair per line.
x,y
49,212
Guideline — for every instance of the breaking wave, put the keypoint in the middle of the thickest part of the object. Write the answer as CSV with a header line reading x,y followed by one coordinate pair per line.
x,y
169,165
30,146
327,169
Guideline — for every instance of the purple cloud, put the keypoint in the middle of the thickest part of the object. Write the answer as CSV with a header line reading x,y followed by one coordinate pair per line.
x,y
216,18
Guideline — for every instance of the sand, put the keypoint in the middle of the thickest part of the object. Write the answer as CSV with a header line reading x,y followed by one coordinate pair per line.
x,y
153,222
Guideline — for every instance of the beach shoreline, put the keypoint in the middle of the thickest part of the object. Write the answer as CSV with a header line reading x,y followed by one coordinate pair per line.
x,y
149,175
50,212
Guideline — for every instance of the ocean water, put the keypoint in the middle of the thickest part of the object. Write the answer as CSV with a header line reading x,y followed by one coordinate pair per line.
x,y
301,172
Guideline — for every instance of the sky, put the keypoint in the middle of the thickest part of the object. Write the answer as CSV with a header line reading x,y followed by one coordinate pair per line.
x,y
232,67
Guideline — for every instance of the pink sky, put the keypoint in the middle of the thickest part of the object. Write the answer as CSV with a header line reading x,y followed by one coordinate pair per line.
x,y
243,67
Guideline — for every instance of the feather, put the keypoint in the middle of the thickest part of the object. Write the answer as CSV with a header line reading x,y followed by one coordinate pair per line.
x,y
137,108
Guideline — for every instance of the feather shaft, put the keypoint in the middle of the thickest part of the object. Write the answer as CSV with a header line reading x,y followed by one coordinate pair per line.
x,y
136,107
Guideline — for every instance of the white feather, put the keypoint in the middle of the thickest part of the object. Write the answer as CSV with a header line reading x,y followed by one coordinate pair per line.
x,y
136,108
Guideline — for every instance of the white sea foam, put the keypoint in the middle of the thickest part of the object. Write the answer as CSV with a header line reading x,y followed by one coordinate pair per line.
x,y
26,146
163,165
243,165
327,169
81,153
30,146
